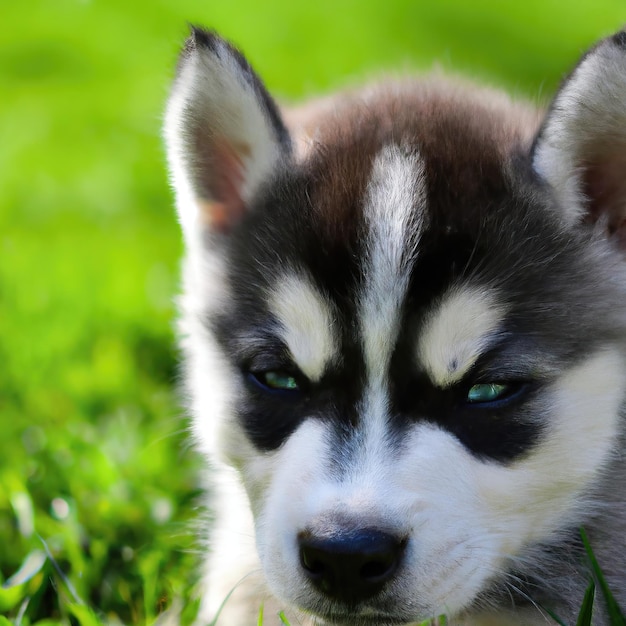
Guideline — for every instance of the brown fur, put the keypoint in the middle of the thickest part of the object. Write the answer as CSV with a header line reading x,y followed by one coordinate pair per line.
x,y
434,116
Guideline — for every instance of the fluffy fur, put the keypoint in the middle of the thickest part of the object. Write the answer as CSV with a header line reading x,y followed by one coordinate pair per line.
x,y
404,334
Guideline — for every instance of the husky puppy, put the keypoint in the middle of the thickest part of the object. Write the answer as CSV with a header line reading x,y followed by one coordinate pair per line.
x,y
404,328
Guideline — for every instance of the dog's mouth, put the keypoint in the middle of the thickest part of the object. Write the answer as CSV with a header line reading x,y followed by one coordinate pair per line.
x,y
369,619
360,615
365,619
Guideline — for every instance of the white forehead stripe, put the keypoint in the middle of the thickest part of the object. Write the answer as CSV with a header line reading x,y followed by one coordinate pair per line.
x,y
394,209
457,331
307,324
394,212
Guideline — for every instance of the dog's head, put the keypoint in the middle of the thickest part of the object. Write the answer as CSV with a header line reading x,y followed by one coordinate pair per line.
x,y
403,322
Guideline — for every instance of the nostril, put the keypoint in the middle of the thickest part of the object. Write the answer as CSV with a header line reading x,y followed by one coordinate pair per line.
x,y
376,570
315,567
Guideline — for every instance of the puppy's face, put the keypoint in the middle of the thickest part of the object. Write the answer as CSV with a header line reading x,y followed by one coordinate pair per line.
x,y
402,334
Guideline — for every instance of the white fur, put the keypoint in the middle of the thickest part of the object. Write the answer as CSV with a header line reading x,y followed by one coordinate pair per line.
x,y
173,130
307,324
457,331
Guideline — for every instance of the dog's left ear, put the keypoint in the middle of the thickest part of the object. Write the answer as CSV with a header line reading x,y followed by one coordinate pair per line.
x,y
224,135
581,148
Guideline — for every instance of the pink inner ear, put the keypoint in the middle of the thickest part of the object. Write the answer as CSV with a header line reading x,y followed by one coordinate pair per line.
x,y
604,184
222,178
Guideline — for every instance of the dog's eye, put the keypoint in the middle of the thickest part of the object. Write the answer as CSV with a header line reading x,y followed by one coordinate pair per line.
x,y
276,380
485,393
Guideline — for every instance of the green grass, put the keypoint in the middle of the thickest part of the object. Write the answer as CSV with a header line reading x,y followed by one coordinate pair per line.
x,y
98,488
614,612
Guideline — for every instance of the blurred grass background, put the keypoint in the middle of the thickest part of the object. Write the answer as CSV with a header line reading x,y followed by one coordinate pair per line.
x,y
97,483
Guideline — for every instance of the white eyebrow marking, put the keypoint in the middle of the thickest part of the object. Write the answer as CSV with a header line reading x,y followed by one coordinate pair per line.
x,y
457,331
307,323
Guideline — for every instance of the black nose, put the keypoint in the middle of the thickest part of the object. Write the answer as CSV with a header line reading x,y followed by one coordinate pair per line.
x,y
350,566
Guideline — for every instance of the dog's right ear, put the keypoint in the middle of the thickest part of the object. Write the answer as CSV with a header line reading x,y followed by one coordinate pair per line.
x,y
223,132
580,151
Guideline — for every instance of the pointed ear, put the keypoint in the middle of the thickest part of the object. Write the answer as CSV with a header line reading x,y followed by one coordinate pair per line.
x,y
224,135
581,148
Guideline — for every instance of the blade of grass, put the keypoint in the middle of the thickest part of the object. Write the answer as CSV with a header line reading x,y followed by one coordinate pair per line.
x,y
219,611
84,615
586,610
283,618
616,616
30,567
555,617
59,571
225,600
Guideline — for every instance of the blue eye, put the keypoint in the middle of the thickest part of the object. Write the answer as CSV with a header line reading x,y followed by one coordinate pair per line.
x,y
276,380
486,393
